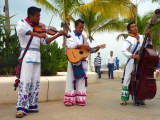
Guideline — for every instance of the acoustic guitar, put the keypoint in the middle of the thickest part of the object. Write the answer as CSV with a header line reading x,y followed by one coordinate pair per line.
x,y
75,55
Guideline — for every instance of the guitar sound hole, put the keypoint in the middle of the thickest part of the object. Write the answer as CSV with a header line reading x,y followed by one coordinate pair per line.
x,y
81,52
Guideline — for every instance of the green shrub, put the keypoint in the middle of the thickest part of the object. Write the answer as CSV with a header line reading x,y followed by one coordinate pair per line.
x,y
9,49
7,71
53,59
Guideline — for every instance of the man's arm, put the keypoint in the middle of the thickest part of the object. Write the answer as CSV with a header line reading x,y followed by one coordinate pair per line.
x,y
83,45
43,35
125,48
60,33
148,34
97,48
39,35
94,62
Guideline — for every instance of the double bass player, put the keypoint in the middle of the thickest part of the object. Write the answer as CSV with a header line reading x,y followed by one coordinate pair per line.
x,y
132,44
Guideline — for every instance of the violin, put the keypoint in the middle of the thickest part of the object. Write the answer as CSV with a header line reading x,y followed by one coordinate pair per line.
x,y
51,30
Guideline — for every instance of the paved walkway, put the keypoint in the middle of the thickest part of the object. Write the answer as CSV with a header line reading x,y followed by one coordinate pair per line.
x,y
103,100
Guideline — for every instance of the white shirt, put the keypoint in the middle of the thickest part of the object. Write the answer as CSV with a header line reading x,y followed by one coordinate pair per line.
x,y
22,29
130,44
111,60
73,41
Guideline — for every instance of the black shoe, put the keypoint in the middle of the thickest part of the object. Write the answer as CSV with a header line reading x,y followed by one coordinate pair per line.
x,y
112,78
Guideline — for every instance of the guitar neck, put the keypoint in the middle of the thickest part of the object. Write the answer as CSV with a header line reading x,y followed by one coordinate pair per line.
x,y
93,48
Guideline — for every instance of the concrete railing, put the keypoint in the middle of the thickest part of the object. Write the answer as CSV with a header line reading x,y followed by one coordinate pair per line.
x,y
119,73
51,87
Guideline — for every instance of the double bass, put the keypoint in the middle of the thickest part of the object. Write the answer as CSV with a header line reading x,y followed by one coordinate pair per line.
x,y
143,84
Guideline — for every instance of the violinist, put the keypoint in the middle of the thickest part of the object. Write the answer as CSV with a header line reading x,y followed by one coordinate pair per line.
x,y
131,45
30,72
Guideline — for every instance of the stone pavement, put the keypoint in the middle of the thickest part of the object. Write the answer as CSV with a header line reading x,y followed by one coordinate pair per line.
x,y
103,100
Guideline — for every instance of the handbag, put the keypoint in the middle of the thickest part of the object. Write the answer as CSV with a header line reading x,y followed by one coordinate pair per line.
x,y
19,65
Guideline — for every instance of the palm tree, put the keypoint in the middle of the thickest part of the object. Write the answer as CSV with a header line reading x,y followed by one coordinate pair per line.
x,y
155,37
142,22
155,34
108,12
158,1
64,9
137,4
112,8
98,23
96,19
7,23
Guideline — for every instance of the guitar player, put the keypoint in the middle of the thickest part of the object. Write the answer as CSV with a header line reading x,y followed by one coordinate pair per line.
x,y
76,80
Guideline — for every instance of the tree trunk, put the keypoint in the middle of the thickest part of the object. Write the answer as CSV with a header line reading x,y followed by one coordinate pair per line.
x,y
89,57
159,51
7,22
64,41
65,29
89,62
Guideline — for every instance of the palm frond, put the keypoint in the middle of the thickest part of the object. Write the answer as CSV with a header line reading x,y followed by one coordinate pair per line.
x,y
142,24
158,1
155,35
64,8
112,8
112,25
143,21
122,36
47,5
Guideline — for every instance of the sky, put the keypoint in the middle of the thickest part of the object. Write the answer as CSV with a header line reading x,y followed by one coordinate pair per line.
x,y
19,7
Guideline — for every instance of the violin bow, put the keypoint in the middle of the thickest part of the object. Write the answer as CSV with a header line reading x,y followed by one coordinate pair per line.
x,y
50,22
55,29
